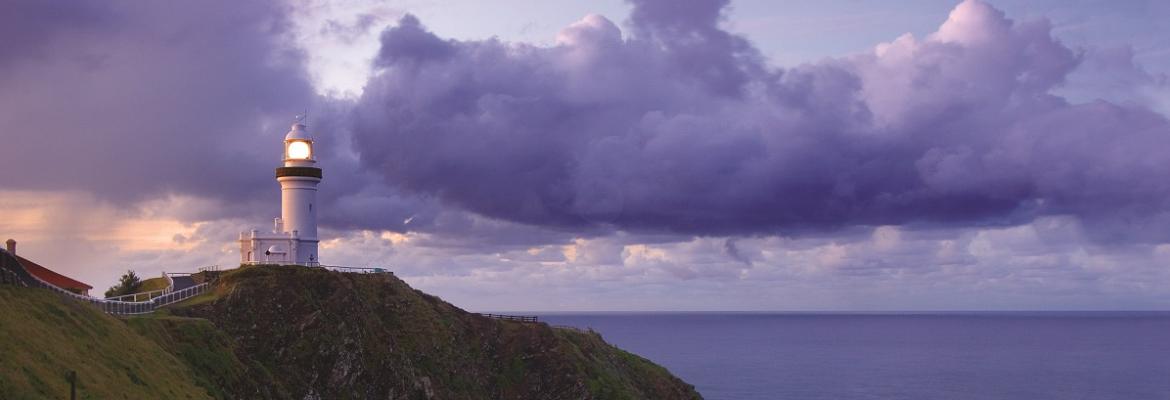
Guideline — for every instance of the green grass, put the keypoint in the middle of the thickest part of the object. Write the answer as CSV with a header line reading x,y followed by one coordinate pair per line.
x,y
148,285
207,351
200,299
287,332
613,373
43,336
152,284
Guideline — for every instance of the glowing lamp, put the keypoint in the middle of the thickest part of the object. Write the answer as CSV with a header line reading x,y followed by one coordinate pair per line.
x,y
299,150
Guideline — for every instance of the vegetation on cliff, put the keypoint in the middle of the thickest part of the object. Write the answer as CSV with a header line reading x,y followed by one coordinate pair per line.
x,y
44,336
129,283
331,335
152,284
293,332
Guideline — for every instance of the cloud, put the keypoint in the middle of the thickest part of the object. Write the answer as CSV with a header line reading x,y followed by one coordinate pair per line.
x,y
133,101
660,163
676,125
1050,263
93,240
1111,73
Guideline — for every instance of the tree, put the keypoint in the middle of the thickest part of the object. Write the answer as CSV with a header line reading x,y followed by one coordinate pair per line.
x,y
128,284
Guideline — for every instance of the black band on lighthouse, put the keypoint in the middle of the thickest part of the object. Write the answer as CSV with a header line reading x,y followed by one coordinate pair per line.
x,y
312,172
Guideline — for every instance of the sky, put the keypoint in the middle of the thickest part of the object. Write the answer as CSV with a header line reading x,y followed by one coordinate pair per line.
x,y
660,155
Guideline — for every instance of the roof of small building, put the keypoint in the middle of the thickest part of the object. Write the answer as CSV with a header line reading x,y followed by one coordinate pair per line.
x,y
49,276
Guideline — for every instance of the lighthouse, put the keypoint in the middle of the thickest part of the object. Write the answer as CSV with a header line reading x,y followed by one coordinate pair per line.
x,y
293,239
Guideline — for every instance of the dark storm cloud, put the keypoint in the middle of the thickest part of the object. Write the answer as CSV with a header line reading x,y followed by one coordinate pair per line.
x,y
678,126
130,100
30,26
681,126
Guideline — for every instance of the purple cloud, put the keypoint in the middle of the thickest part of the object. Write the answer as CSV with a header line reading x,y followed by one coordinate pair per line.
x,y
681,126
133,101
660,163
673,126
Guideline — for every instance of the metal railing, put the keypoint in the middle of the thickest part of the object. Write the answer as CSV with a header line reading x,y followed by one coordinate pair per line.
x,y
517,318
133,307
335,268
180,295
11,271
155,293
15,270
356,270
144,295
274,262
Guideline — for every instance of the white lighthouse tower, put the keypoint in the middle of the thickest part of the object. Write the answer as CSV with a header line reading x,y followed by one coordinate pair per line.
x,y
293,239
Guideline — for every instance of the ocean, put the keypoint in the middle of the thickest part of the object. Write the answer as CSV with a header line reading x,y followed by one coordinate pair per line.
x,y
910,356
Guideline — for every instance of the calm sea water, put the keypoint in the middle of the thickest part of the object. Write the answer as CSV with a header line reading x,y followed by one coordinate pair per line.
x,y
1002,356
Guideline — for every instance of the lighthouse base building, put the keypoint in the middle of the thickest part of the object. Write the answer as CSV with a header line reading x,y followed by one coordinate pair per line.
x,y
293,239
277,247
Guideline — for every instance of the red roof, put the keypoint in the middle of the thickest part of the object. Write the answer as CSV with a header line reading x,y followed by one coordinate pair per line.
x,y
54,278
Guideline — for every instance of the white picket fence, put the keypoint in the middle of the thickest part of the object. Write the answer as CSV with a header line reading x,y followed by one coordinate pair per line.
x,y
355,270
13,271
132,307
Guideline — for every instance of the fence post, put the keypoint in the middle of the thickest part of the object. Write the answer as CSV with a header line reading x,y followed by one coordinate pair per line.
x,y
72,378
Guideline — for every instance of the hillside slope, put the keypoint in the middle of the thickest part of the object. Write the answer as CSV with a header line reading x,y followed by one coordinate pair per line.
x,y
321,334
292,332
42,336
211,356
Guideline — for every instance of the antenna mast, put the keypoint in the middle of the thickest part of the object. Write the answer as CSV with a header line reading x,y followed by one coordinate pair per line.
x,y
303,118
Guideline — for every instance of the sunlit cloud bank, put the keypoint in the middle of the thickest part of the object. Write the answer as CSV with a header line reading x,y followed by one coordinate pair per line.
x,y
1047,264
649,161
94,240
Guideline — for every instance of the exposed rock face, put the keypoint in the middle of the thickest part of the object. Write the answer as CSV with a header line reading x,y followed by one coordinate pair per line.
x,y
318,334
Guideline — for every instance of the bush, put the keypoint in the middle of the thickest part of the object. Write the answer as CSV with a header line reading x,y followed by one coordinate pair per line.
x,y
129,283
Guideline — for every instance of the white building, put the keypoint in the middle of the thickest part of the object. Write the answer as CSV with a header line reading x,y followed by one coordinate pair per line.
x,y
293,239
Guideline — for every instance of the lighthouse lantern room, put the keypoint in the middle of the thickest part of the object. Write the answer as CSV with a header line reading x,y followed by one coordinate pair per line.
x,y
293,239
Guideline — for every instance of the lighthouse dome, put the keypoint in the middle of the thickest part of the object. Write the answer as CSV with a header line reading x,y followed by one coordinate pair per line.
x,y
298,132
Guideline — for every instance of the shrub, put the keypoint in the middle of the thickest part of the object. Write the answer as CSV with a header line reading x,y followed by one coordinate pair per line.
x,y
128,284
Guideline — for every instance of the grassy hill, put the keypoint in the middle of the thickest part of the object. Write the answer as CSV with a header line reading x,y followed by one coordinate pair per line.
x,y
330,335
210,354
42,336
294,332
